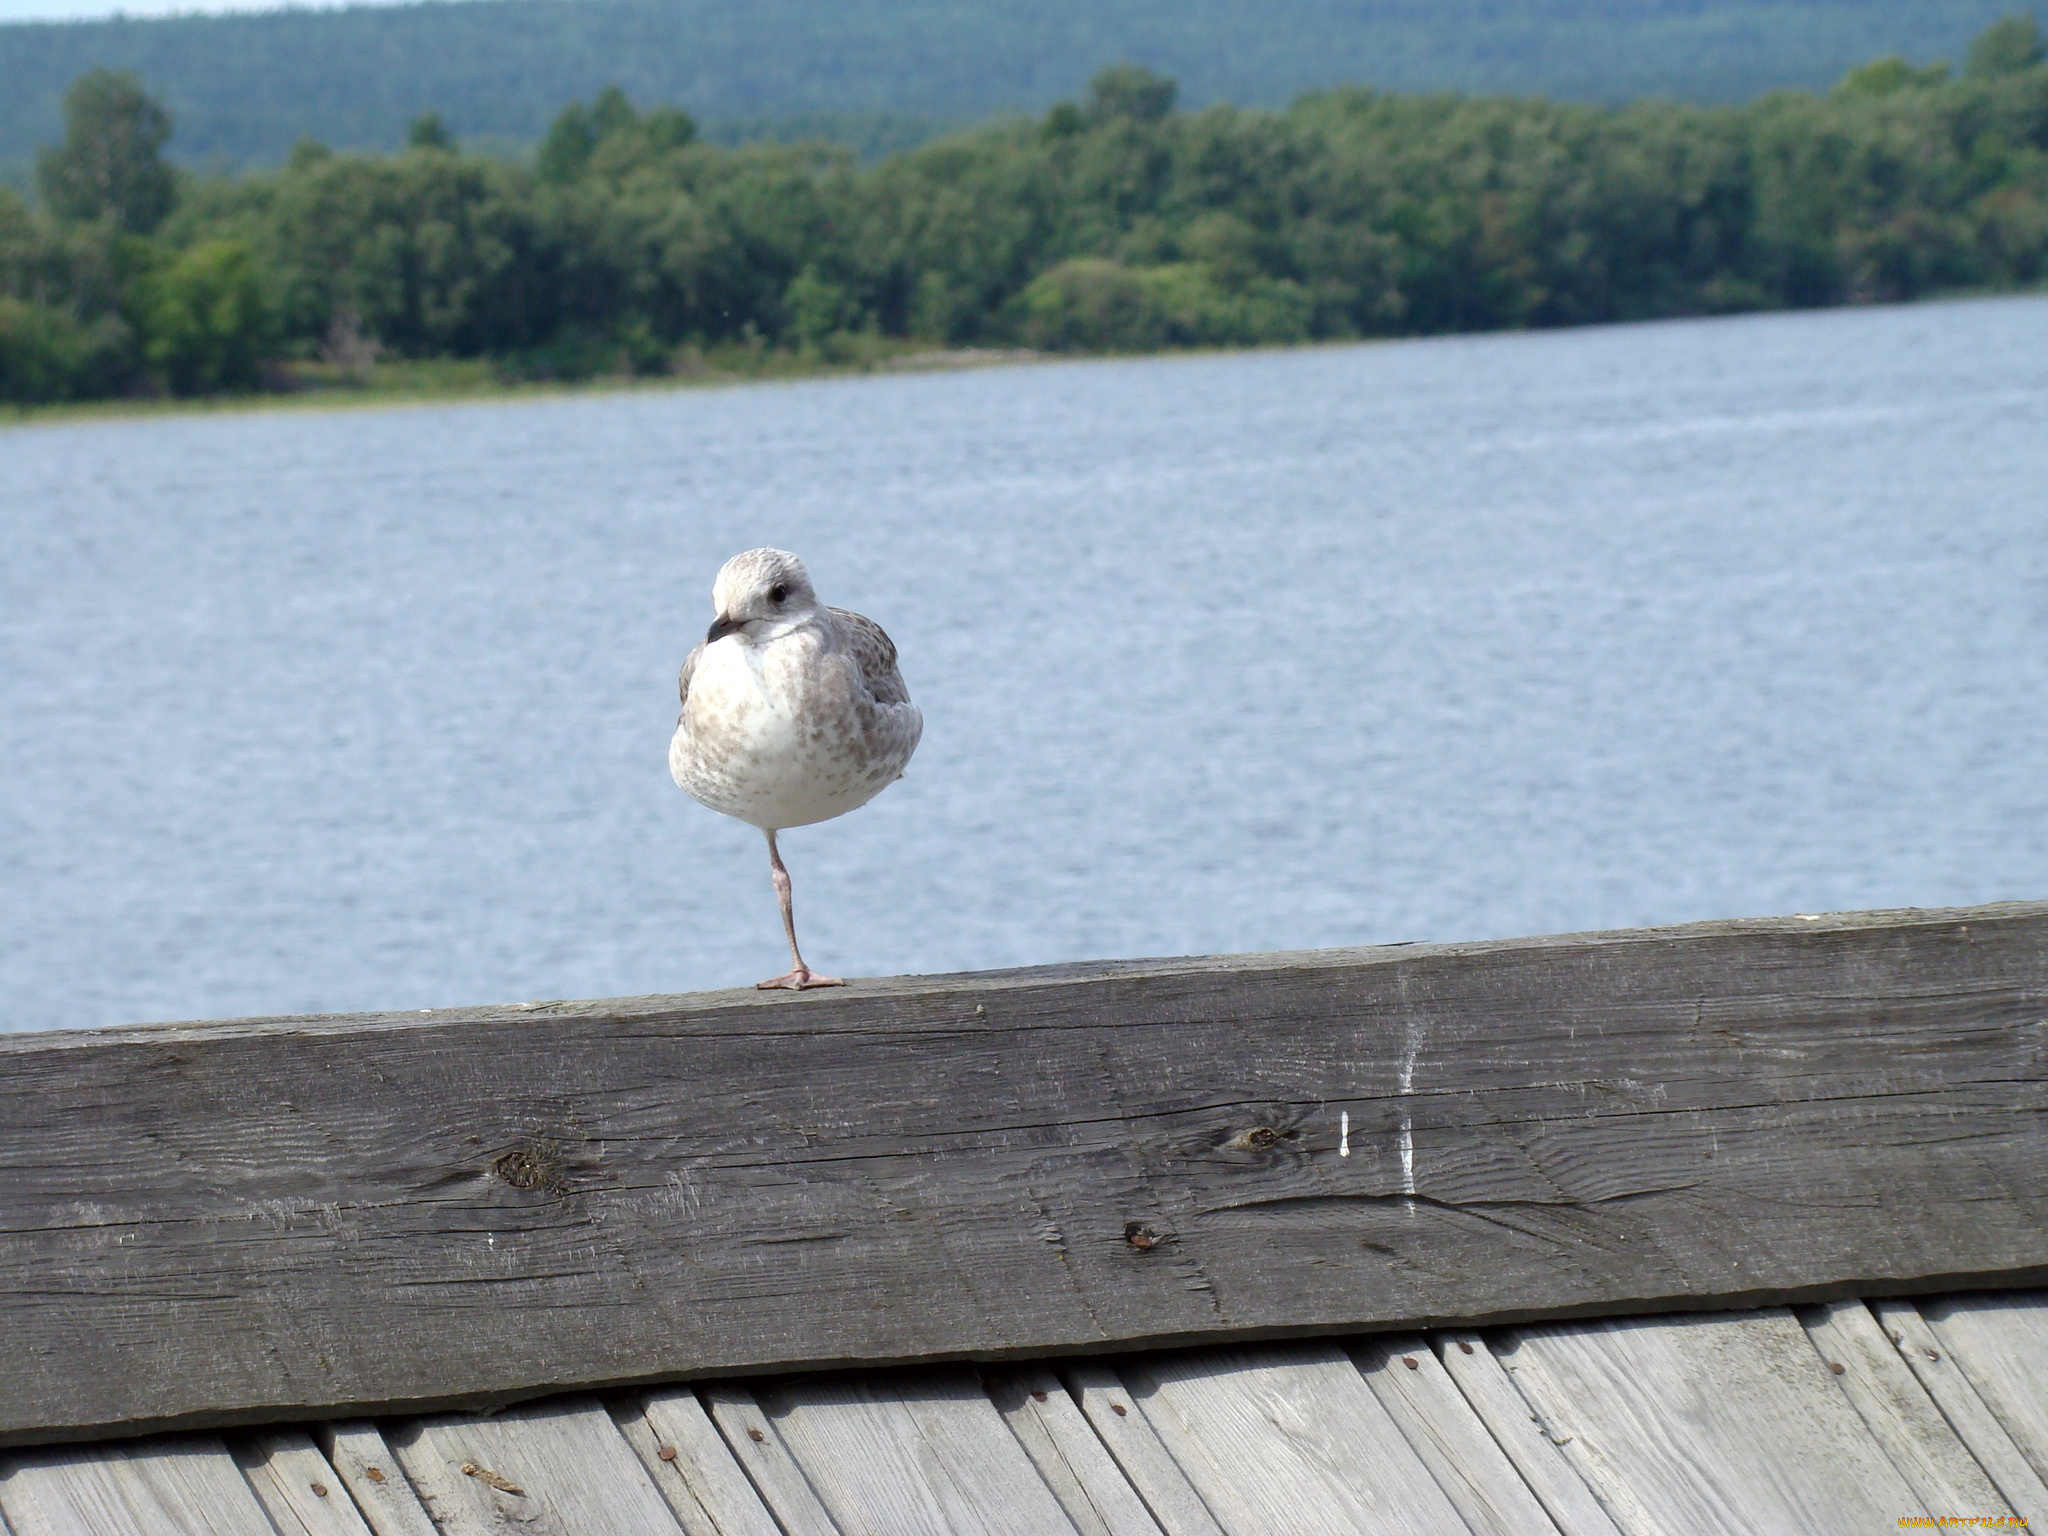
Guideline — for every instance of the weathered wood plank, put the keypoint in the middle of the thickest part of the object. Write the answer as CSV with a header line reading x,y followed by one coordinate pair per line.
x,y
196,1228
293,1481
1075,1464
555,1469
647,1444
2001,1343
1520,1432
704,1464
919,1454
371,1473
187,1486
1452,1440
1980,1428
1728,1423
1122,1427
757,1446
1901,1416
1288,1437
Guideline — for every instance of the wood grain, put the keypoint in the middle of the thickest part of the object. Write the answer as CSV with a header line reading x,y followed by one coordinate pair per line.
x,y
138,1488
1075,1464
702,1462
1288,1437
1690,1424
912,1454
648,1445
1901,1416
757,1446
1453,1441
1973,1420
1518,1429
553,1469
296,1485
1106,1403
294,1219
367,1468
2001,1344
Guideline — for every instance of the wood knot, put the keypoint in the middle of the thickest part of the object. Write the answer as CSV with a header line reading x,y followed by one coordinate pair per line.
x,y
533,1165
1258,1139
1141,1237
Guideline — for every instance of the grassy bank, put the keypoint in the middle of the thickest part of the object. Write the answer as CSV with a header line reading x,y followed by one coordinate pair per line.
x,y
315,386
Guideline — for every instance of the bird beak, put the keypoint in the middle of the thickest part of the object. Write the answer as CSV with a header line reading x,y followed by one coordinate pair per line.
x,y
721,629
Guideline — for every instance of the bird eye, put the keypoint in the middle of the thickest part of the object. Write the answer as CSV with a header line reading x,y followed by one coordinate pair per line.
x,y
777,593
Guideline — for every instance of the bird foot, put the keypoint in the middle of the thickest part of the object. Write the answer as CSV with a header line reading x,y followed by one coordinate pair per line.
x,y
798,980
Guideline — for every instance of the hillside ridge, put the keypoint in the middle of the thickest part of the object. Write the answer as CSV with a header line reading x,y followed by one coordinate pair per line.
x,y
879,74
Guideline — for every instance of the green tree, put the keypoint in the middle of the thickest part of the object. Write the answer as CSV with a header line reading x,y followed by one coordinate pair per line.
x,y
110,165
1130,90
427,131
48,354
566,150
205,324
818,309
2006,47
1886,77
578,131
612,112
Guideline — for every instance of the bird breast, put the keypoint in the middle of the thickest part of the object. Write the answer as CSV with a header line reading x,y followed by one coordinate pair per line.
x,y
784,733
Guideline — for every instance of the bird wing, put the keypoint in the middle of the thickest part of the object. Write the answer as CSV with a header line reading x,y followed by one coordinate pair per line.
x,y
874,653
683,681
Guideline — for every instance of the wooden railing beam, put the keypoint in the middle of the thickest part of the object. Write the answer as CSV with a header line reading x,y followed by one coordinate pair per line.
x,y
286,1218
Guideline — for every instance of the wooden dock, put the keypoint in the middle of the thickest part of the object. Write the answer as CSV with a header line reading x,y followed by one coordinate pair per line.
x,y
1840,1419
1451,1237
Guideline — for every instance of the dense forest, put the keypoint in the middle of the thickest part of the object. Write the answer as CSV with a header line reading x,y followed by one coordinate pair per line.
x,y
874,73
1115,222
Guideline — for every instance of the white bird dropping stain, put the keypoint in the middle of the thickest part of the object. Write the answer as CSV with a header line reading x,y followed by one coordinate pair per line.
x,y
1407,1129
1344,1134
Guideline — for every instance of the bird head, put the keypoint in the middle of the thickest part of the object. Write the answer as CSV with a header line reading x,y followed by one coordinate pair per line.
x,y
760,594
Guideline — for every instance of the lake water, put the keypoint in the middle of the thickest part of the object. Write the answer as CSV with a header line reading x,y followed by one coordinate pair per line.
x,y
1432,640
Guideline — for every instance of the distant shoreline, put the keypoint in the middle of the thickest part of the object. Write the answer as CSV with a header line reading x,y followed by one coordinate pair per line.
x,y
438,382
476,383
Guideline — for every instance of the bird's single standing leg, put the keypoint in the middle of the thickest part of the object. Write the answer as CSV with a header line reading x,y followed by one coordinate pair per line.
x,y
802,976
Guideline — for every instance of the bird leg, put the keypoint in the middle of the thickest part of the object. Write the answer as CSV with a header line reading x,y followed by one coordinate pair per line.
x,y
802,975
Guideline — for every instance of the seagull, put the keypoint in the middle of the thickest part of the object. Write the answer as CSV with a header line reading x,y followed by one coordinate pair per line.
x,y
792,713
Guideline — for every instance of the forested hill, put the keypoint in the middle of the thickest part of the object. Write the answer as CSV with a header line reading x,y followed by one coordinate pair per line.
x,y
1114,222
242,89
